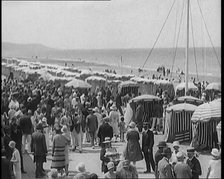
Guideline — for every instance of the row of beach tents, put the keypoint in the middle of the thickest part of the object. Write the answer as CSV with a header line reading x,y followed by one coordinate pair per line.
x,y
197,123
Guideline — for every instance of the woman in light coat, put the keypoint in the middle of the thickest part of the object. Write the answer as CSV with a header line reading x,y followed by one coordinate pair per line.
x,y
15,160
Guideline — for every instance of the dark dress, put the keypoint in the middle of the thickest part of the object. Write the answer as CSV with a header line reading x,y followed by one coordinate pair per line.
x,y
6,171
105,130
133,150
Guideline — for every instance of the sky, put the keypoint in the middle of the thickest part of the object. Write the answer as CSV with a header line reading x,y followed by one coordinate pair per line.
x,y
109,24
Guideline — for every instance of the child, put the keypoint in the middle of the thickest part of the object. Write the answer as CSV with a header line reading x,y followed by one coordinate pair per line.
x,y
121,125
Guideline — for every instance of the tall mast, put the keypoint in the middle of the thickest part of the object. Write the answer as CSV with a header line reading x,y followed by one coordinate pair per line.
x,y
186,51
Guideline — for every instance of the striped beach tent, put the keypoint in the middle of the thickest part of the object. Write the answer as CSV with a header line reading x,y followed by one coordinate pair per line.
x,y
205,119
190,100
180,88
178,122
128,87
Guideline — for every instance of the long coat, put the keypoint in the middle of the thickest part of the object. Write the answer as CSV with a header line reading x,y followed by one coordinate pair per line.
x,y
133,150
105,130
195,167
38,146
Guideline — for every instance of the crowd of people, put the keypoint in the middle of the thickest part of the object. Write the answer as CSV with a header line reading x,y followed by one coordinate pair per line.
x,y
35,114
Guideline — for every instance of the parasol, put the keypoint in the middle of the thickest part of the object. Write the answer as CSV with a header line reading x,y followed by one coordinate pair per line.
x,y
76,83
207,111
214,86
146,97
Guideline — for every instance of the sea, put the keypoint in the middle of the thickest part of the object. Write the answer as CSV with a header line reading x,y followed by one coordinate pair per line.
x,y
204,62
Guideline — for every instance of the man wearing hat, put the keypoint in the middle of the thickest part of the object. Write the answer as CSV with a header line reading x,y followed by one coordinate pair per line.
x,y
164,167
92,125
139,115
159,156
105,130
110,173
147,147
181,169
194,163
39,149
125,170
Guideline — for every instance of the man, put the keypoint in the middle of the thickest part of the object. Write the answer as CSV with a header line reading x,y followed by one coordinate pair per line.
x,y
6,167
159,156
39,149
181,169
125,170
119,103
194,163
164,167
139,115
147,147
92,125
26,127
105,130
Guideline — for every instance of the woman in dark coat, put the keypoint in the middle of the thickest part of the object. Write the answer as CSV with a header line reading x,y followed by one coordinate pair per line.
x,y
133,150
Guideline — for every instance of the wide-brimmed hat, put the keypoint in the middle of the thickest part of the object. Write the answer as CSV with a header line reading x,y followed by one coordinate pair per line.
x,y
106,119
176,144
162,144
39,126
215,152
96,109
113,107
64,129
107,140
81,167
166,151
132,125
180,155
110,165
12,144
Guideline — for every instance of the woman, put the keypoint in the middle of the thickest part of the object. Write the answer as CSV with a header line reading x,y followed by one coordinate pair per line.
x,y
15,160
214,169
58,150
66,134
114,118
133,151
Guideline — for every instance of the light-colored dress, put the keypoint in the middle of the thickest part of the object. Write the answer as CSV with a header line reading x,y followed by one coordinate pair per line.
x,y
67,136
215,168
114,118
16,164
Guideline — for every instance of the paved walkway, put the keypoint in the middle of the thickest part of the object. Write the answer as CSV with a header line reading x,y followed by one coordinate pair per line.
x,y
91,158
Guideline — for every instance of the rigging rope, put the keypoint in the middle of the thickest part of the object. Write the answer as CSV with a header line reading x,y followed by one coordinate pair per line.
x,y
158,35
192,30
208,34
177,40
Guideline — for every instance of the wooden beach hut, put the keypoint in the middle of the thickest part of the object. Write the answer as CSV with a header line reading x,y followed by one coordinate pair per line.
x,y
152,108
180,89
205,119
178,122
128,87
96,82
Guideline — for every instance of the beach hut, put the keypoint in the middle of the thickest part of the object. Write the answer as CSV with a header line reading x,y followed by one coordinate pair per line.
x,y
152,108
213,89
178,122
165,85
190,100
219,130
180,89
96,82
128,87
76,83
205,119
